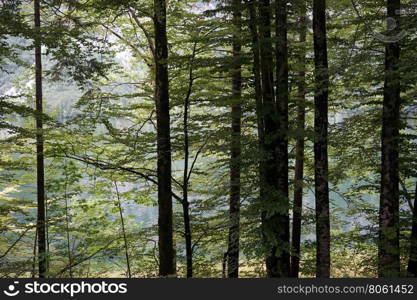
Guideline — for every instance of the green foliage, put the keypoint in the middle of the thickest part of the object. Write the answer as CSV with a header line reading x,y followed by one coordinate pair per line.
x,y
101,130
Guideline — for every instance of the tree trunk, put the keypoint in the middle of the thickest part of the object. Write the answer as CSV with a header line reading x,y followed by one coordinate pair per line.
x,y
35,246
321,171
122,220
47,241
299,160
188,238
185,184
271,215
282,149
224,265
412,261
165,231
253,27
67,224
39,147
235,148
388,251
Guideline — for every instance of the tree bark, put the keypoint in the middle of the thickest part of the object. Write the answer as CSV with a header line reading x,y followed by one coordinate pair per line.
x,y
253,27
35,246
299,160
42,255
271,215
282,149
235,147
185,183
388,251
165,230
412,261
122,220
321,171
67,223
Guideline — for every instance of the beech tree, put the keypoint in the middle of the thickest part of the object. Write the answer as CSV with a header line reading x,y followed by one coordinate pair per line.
x,y
166,248
300,145
190,138
235,148
40,168
321,168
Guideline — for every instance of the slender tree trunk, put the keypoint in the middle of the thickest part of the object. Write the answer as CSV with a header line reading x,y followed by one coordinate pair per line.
x,y
224,265
165,230
282,149
35,245
235,148
412,261
47,229
122,220
39,147
67,221
388,254
185,183
299,160
321,171
188,238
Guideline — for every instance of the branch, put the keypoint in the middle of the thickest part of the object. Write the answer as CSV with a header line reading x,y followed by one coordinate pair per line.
x,y
85,258
133,47
17,241
407,195
145,31
107,166
196,157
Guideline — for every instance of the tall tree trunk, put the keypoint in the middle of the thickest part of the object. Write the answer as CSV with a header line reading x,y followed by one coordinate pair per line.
x,y
271,214
122,220
235,148
253,27
186,175
389,242
42,260
412,261
282,149
165,230
321,171
299,160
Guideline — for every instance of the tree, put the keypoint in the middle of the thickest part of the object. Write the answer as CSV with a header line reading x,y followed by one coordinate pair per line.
x,y
299,152
272,208
282,91
412,261
122,220
388,251
321,172
256,70
41,224
166,248
204,107
235,146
